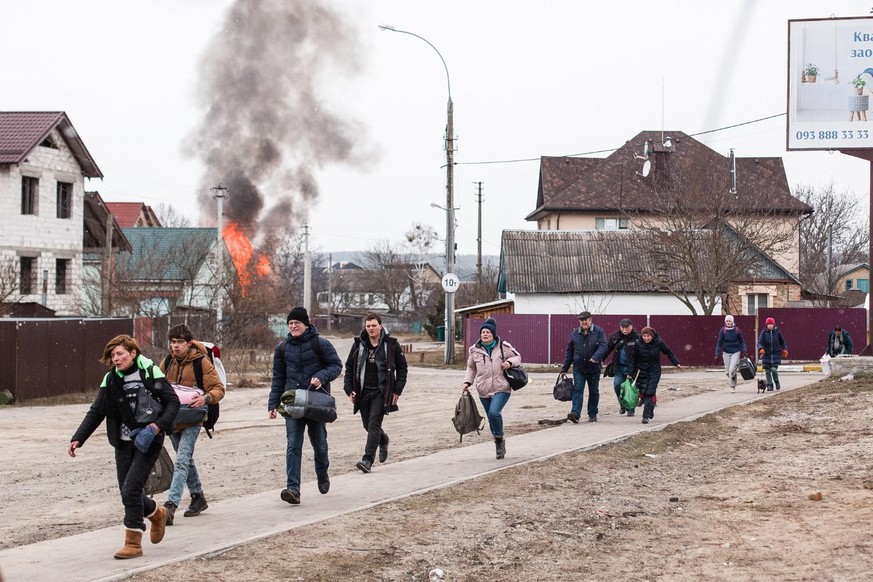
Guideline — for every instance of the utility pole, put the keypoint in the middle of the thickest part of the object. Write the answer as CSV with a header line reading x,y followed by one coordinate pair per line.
x,y
307,272
106,267
330,291
219,193
479,234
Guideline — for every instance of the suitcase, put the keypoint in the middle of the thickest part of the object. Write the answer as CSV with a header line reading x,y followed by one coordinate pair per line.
x,y
747,369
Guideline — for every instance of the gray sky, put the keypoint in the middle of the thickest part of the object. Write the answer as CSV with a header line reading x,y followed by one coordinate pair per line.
x,y
527,79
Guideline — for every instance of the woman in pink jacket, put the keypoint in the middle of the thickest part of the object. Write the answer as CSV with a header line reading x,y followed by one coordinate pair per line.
x,y
487,360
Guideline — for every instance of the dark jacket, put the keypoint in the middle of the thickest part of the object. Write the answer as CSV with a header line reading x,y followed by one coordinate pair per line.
x,y
112,405
847,343
584,347
295,364
772,342
730,341
390,364
617,342
646,358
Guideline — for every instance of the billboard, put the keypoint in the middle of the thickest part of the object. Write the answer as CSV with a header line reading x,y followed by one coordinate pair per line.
x,y
830,83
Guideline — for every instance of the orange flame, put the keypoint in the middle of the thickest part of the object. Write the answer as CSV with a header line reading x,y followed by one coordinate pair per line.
x,y
263,267
241,250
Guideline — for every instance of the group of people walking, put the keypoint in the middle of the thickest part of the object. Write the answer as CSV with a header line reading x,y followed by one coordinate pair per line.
x,y
375,377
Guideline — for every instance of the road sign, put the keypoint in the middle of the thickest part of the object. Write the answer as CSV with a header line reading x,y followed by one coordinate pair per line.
x,y
450,282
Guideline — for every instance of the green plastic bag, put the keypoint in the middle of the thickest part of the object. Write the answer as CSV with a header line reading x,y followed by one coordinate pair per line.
x,y
629,394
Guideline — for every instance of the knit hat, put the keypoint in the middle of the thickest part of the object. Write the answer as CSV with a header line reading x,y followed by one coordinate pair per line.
x,y
299,314
490,325
728,318
769,321
647,330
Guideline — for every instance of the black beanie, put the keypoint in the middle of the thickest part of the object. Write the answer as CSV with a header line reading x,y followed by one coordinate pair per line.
x,y
490,325
299,314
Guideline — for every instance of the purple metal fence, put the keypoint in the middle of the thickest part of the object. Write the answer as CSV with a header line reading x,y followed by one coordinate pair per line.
x,y
542,338
806,330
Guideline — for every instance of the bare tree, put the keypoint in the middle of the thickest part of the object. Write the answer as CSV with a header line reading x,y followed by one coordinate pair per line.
x,y
170,217
836,234
421,239
698,236
388,275
10,283
479,291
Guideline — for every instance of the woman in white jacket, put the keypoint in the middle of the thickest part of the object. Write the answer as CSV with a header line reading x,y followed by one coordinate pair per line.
x,y
487,360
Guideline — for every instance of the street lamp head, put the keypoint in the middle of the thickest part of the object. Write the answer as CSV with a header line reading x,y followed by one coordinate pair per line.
x,y
435,205
387,27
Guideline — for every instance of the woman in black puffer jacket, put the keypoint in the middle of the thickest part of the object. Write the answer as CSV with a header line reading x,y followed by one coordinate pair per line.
x,y
644,356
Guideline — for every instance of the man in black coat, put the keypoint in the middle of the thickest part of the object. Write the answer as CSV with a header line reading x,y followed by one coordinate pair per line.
x,y
375,377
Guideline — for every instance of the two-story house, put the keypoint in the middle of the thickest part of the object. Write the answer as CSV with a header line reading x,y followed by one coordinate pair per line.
x,y
43,166
631,213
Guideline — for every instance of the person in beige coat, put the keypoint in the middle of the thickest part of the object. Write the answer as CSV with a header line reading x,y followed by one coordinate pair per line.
x,y
487,360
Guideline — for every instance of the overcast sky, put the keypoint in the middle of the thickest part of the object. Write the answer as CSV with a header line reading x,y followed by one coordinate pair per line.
x,y
527,79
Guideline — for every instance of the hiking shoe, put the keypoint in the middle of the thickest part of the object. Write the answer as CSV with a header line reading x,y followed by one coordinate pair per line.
x,y
622,411
778,387
323,484
198,505
383,451
592,418
645,420
290,496
574,418
365,465
630,413
769,388
171,511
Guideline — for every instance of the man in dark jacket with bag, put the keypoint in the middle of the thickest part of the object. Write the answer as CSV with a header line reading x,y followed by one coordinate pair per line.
x,y
585,350
375,377
617,342
298,366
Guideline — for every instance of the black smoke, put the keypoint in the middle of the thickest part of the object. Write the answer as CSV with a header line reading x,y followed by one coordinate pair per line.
x,y
266,129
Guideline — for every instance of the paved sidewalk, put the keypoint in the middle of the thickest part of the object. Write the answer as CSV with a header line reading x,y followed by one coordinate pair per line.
x,y
88,556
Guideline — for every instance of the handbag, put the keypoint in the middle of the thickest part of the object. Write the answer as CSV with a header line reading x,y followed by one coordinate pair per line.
x,y
609,370
516,375
316,405
563,390
161,476
148,408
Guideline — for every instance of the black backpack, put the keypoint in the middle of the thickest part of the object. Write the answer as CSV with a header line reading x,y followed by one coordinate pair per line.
x,y
212,410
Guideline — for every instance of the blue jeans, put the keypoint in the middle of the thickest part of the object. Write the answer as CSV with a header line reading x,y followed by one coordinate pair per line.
x,y
493,408
293,452
185,471
593,380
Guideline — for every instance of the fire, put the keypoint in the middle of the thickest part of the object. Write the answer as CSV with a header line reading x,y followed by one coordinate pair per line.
x,y
263,267
242,252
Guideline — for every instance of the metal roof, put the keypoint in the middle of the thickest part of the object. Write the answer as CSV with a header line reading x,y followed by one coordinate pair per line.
x,y
22,131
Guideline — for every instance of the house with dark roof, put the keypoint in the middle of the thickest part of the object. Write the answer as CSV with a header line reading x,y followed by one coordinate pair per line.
x,y
171,270
593,213
133,214
43,166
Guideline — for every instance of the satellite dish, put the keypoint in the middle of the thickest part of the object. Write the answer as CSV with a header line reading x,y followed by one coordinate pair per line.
x,y
647,167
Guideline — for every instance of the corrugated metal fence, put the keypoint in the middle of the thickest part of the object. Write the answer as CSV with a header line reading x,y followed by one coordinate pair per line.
x,y
48,357
542,339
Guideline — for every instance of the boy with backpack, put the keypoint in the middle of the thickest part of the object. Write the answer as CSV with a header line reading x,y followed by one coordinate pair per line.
x,y
189,365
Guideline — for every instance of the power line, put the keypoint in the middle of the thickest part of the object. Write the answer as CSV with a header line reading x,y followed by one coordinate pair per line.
x,y
485,162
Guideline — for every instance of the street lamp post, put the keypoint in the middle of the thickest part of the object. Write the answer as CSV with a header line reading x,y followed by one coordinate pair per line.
x,y
450,201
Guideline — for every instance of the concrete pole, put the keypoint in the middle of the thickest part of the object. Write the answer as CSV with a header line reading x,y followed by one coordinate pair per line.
x,y
307,272
219,195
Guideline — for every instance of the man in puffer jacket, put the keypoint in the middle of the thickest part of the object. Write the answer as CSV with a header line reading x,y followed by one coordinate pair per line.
x,y
179,369
298,366
585,350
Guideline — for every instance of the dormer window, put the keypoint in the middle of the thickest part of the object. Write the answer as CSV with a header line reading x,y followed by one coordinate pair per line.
x,y
49,143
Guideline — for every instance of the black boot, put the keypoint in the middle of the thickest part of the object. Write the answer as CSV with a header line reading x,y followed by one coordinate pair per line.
x,y
171,511
198,505
500,444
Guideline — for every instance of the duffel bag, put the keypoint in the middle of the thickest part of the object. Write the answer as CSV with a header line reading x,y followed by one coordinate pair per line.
x,y
315,405
189,415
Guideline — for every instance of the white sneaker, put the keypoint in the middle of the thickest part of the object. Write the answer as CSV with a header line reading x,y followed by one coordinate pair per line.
x,y
733,389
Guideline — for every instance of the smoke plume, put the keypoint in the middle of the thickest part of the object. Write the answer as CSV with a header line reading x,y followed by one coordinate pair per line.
x,y
266,130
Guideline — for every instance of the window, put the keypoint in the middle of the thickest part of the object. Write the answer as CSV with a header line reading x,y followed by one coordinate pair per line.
x,y
756,302
62,272
848,284
29,194
65,199
864,285
28,265
610,223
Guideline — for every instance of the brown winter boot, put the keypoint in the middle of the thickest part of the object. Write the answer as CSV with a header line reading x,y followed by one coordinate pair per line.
x,y
132,545
159,523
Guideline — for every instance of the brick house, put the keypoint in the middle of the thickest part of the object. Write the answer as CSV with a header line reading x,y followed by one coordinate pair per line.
x,y
43,166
